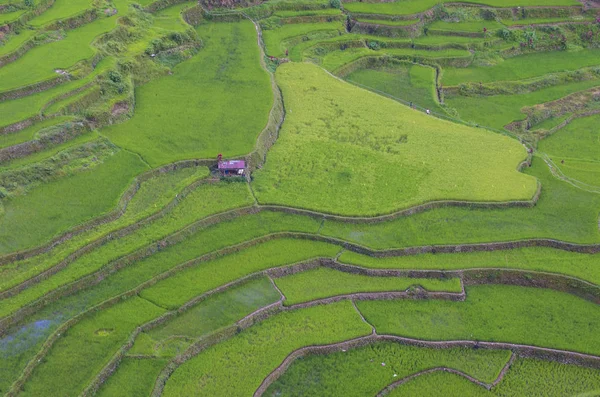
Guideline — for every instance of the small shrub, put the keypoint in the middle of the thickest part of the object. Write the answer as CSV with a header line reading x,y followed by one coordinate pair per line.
x,y
335,3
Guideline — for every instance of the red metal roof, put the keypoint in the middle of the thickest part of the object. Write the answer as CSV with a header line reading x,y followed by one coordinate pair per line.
x,y
232,165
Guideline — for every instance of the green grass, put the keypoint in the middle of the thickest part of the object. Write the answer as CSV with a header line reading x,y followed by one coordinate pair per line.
x,y
302,13
389,22
10,16
180,288
170,17
225,74
582,266
527,377
275,39
39,63
405,7
52,208
134,378
81,353
214,313
256,351
25,345
409,82
336,59
324,282
50,152
578,145
439,40
473,27
61,9
495,313
30,133
522,67
364,375
152,196
341,150
541,21
15,41
499,110
204,201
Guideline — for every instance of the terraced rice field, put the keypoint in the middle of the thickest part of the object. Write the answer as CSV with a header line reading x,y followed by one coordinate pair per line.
x,y
417,212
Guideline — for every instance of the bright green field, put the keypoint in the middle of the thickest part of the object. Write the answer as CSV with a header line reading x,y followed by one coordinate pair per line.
x,y
388,22
578,145
196,112
52,208
183,286
408,82
526,377
342,150
214,313
29,133
582,266
135,377
364,375
40,62
404,7
61,9
15,41
523,67
499,110
274,38
336,59
474,27
84,350
324,282
494,313
255,352
10,16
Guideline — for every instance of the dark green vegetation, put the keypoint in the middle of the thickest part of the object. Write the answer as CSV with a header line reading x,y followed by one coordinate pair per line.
x,y
128,266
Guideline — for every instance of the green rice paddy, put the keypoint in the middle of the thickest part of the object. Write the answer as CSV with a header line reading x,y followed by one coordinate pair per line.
x,y
364,132
189,289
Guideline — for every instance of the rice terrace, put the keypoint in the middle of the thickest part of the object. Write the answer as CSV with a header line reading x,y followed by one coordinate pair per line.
x,y
299,198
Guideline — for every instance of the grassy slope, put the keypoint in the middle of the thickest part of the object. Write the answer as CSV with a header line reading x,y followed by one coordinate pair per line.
x,y
133,378
78,356
40,62
522,67
54,207
256,351
152,196
499,110
273,38
61,9
336,59
343,155
183,286
216,102
215,312
578,144
405,7
29,133
364,375
205,200
562,212
21,345
476,26
325,282
31,105
494,313
583,266
527,377
409,82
